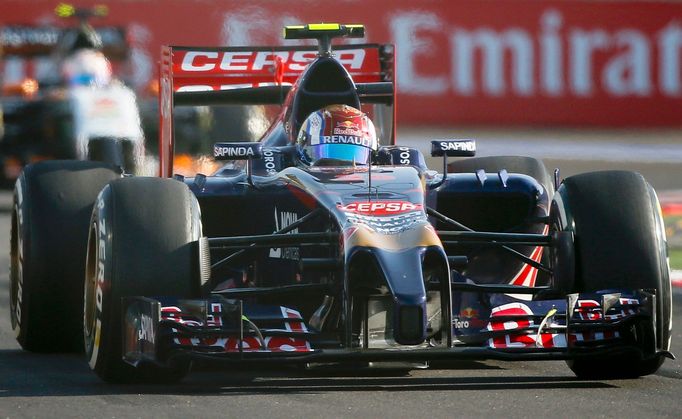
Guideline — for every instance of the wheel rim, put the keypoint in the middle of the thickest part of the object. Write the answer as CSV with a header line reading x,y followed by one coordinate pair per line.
x,y
16,273
90,296
664,325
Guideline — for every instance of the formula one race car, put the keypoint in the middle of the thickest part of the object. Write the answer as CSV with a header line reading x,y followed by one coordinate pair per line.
x,y
327,243
72,107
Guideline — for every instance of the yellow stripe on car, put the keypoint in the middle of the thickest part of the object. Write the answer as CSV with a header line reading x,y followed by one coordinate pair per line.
x,y
95,346
324,27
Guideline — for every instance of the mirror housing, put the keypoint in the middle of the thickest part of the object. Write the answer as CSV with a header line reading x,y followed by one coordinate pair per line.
x,y
453,148
237,151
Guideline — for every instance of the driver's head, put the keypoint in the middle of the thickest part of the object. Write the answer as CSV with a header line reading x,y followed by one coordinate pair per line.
x,y
87,68
337,135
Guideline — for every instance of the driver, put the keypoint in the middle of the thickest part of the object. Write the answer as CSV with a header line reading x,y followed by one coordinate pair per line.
x,y
87,68
337,135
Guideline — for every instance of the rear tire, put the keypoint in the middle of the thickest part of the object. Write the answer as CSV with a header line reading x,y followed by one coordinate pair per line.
x,y
142,243
619,244
52,205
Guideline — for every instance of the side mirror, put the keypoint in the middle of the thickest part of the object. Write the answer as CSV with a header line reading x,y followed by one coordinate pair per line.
x,y
237,151
453,148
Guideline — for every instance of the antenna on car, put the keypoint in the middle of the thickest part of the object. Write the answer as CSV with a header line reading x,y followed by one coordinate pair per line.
x,y
84,36
324,33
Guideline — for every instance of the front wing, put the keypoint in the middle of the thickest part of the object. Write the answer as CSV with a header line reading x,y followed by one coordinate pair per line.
x,y
219,329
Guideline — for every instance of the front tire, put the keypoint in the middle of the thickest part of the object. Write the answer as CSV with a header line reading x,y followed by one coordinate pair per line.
x,y
142,242
619,244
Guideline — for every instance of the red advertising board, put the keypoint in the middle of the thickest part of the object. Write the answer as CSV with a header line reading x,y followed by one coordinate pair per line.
x,y
504,62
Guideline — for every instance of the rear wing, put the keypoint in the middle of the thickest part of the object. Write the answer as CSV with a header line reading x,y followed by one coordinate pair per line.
x,y
35,41
258,75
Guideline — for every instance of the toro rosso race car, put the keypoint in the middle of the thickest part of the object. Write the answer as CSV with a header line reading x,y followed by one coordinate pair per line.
x,y
325,242
68,105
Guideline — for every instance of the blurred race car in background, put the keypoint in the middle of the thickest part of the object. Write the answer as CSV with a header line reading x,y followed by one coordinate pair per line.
x,y
325,242
75,108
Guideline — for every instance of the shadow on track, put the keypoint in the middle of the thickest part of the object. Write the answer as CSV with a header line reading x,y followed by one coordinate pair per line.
x,y
24,374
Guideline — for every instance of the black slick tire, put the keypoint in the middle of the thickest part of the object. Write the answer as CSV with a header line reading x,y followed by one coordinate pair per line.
x,y
142,242
619,244
52,205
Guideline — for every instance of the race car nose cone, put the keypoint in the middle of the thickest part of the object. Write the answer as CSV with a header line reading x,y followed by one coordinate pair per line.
x,y
403,273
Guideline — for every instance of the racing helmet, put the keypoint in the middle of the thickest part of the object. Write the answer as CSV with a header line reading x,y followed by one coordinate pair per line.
x,y
87,68
337,135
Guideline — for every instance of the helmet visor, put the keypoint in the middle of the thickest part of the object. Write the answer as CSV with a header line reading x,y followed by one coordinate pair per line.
x,y
336,153
82,79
